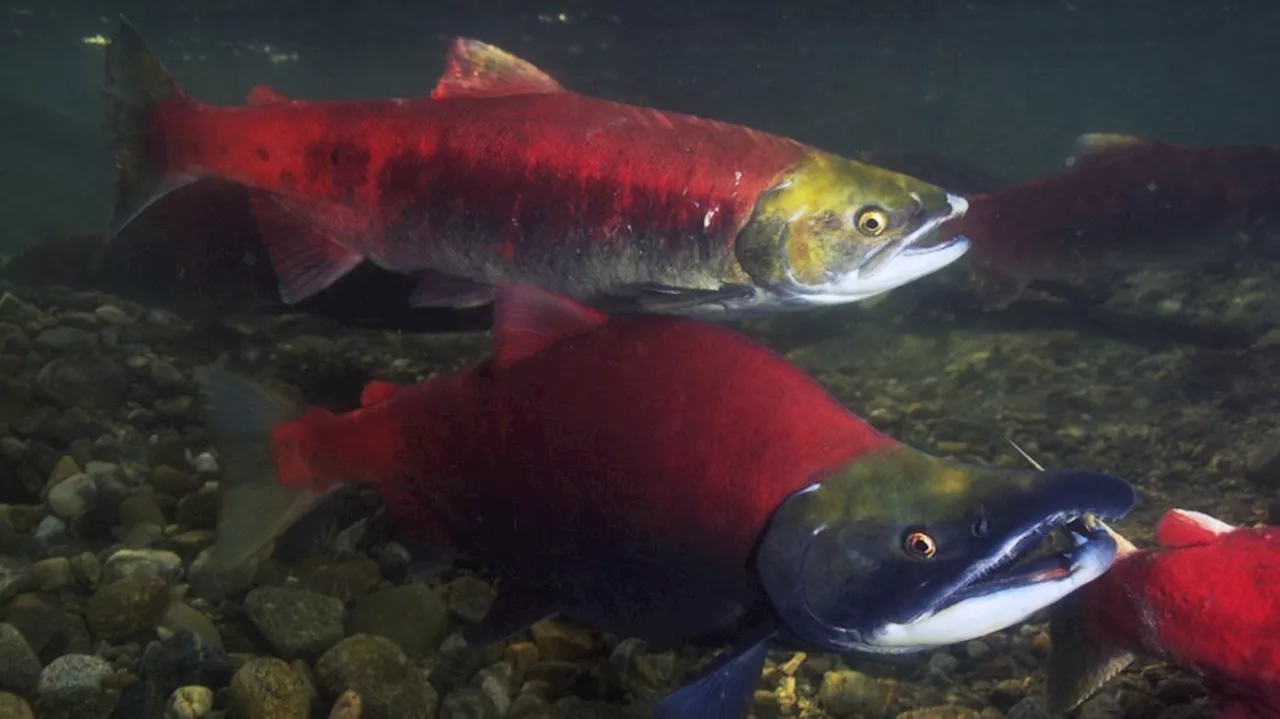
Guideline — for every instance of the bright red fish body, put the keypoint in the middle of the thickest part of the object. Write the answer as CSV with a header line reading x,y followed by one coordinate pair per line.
x,y
1208,600
503,175
1125,204
666,478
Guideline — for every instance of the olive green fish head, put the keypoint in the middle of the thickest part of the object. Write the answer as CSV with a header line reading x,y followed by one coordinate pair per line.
x,y
900,551
834,230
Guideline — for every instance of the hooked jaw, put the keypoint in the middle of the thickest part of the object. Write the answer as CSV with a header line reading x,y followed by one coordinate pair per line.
x,y
1006,595
904,552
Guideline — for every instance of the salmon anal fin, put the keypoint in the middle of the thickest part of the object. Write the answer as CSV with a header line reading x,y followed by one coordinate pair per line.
x,y
304,247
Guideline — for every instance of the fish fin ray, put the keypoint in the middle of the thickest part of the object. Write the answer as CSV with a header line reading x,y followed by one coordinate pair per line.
x,y
136,84
667,299
1182,528
377,391
997,289
478,69
723,691
513,610
1093,143
253,507
1079,664
529,319
438,289
305,258
263,96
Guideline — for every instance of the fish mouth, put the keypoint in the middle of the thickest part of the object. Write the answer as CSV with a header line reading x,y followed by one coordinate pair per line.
x,y
916,244
1021,576
897,262
1010,590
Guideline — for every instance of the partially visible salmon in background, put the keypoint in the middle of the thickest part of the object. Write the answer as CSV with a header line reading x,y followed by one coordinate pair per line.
x,y
1124,204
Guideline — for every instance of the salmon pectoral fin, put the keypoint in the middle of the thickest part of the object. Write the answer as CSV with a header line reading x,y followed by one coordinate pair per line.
x,y
254,508
724,690
664,299
437,289
306,252
137,84
997,289
1080,664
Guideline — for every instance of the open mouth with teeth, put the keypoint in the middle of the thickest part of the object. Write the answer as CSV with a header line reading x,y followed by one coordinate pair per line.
x,y
1042,557
1030,573
922,245
895,263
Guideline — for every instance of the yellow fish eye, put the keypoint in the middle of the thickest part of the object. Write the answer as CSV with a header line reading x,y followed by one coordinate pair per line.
x,y
919,545
872,221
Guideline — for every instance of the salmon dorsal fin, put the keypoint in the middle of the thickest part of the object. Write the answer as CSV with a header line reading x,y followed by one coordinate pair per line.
x,y
262,95
528,319
1094,143
477,69
1185,528
377,391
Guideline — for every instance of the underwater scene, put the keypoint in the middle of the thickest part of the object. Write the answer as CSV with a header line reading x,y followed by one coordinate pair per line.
x,y
875,359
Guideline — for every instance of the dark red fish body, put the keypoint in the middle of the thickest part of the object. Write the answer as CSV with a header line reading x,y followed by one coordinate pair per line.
x,y
1209,606
672,512
502,175
527,179
670,479
1129,205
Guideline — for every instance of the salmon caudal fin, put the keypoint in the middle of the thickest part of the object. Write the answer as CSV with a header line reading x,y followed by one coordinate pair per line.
x,y
1080,664
254,508
136,84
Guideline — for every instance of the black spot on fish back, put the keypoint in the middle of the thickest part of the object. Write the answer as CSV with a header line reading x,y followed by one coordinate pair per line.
x,y
343,163
262,154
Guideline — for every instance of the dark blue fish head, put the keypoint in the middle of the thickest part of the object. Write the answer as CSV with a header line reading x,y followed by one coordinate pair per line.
x,y
901,551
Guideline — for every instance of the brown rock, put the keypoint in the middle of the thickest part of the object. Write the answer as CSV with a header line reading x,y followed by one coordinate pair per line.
x,y
125,607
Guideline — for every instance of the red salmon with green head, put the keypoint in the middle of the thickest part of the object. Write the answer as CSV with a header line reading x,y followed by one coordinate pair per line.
x,y
667,478
1207,599
503,175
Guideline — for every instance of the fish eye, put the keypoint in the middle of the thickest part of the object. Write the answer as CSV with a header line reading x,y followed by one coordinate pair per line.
x,y
919,544
872,221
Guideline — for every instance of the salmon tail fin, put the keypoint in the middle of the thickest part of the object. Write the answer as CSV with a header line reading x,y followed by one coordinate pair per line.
x,y
136,85
254,508
1080,664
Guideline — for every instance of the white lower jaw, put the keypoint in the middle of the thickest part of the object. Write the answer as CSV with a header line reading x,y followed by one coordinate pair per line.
x,y
979,616
908,266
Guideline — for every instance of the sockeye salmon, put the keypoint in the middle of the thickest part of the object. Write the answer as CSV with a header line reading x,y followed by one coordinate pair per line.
x,y
503,175
1124,204
1206,600
666,478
